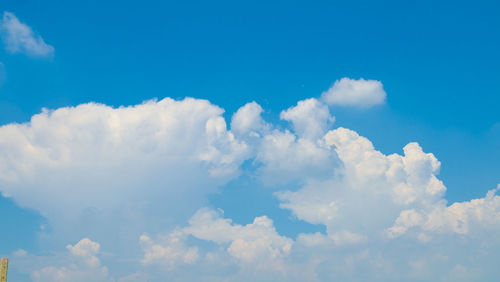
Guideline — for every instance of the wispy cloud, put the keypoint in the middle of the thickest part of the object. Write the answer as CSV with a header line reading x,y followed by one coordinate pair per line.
x,y
18,37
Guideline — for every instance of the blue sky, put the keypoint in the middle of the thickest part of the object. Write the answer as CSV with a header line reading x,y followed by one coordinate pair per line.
x,y
438,63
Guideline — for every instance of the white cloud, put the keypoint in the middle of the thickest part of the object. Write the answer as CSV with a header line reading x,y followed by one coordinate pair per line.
x,y
94,169
248,120
80,263
460,218
357,93
250,252
254,243
310,118
285,158
20,38
257,242
381,203
87,250
118,166
170,252
366,178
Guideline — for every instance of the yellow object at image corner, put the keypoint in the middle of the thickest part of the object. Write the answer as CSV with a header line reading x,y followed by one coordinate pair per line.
x,y
3,269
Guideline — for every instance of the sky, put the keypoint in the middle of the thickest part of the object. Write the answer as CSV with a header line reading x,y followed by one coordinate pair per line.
x,y
250,141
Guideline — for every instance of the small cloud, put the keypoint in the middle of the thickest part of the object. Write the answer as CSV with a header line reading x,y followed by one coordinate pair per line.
x,y
356,93
20,38
86,249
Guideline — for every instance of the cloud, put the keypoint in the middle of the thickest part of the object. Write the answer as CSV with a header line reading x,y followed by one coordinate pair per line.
x,y
356,93
240,248
248,121
79,263
255,243
20,38
367,177
169,254
118,166
86,249
283,156
459,218
376,204
310,118
137,179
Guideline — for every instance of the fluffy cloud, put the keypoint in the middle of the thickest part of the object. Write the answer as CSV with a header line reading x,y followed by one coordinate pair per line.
x,y
461,218
118,167
358,93
366,178
248,120
171,252
254,243
283,156
310,118
257,242
80,263
376,205
95,170
250,252
20,38
86,249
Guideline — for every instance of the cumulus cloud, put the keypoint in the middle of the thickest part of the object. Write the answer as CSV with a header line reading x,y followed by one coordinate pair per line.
x,y
171,252
20,38
86,250
118,166
378,203
357,93
283,156
99,170
79,263
367,178
459,218
248,120
250,252
255,243
310,118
